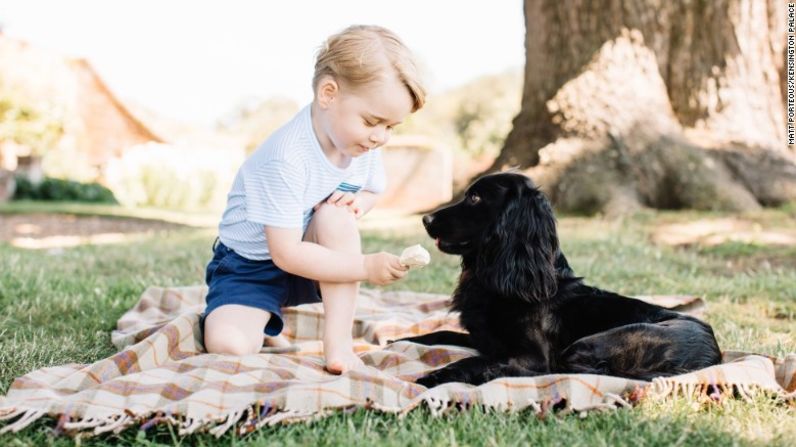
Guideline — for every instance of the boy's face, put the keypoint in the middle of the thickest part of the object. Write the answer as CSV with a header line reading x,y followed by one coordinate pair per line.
x,y
361,119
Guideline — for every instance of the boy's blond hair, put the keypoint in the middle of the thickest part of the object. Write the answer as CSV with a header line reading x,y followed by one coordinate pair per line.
x,y
361,53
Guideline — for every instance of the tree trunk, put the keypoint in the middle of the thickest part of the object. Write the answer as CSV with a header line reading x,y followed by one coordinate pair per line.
x,y
631,103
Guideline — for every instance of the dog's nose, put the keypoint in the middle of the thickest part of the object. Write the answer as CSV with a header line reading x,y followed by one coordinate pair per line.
x,y
427,219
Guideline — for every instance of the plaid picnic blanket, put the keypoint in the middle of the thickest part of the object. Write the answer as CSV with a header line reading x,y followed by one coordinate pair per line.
x,y
161,373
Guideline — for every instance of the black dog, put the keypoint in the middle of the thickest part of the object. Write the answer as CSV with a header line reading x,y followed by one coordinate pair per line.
x,y
526,312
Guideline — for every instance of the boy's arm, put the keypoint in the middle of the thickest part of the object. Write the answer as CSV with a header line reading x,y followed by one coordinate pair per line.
x,y
311,260
317,262
358,203
367,200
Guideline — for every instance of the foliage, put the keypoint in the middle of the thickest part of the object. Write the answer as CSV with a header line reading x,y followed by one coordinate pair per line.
x,y
175,177
258,120
68,162
36,127
61,190
474,118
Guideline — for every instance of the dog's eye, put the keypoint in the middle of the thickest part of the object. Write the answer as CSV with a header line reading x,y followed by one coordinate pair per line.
x,y
473,199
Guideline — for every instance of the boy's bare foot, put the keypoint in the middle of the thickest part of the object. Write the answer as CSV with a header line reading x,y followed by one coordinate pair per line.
x,y
278,345
278,341
340,360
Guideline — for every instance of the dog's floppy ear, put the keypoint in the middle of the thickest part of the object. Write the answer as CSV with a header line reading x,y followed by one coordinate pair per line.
x,y
517,257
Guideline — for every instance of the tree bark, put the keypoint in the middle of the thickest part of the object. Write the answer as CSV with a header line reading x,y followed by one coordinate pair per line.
x,y
631,103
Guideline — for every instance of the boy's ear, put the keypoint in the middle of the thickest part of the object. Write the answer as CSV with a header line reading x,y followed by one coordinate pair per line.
x,y
327,91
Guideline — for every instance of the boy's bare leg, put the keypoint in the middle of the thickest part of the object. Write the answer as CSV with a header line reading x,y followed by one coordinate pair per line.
x,y
336,228
277,341
235,329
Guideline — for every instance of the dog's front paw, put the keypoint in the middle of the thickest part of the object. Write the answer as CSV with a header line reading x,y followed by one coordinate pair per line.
x,y
415,339
428,381
435,378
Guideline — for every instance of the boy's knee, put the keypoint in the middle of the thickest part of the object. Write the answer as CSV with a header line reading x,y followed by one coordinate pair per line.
x,y
332,223
335,214
231,341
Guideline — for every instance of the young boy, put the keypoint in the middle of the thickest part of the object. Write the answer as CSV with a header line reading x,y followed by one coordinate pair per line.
x,y
290,228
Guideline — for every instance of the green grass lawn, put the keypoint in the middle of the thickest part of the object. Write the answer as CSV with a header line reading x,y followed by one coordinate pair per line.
x,y
59,306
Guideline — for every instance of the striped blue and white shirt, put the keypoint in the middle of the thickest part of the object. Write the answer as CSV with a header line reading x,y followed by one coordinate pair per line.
x,y
280,183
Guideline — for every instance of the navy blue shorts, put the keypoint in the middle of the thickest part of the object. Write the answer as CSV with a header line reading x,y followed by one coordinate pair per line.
x,y
233,279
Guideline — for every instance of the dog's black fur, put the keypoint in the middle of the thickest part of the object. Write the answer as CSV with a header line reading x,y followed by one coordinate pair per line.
x,y
527,313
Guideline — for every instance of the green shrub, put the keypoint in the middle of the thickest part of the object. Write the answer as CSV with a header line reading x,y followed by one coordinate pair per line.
x,y
62,190
36,126
25,189
173,176
474,118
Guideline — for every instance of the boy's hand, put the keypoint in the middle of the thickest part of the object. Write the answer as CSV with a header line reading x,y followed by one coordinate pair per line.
x,y
346,199
384,268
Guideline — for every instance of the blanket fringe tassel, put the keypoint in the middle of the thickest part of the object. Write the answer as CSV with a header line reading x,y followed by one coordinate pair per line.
x,y
10,413
439,406
85,423
219,430
261,414
257,417
28,417
662,388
